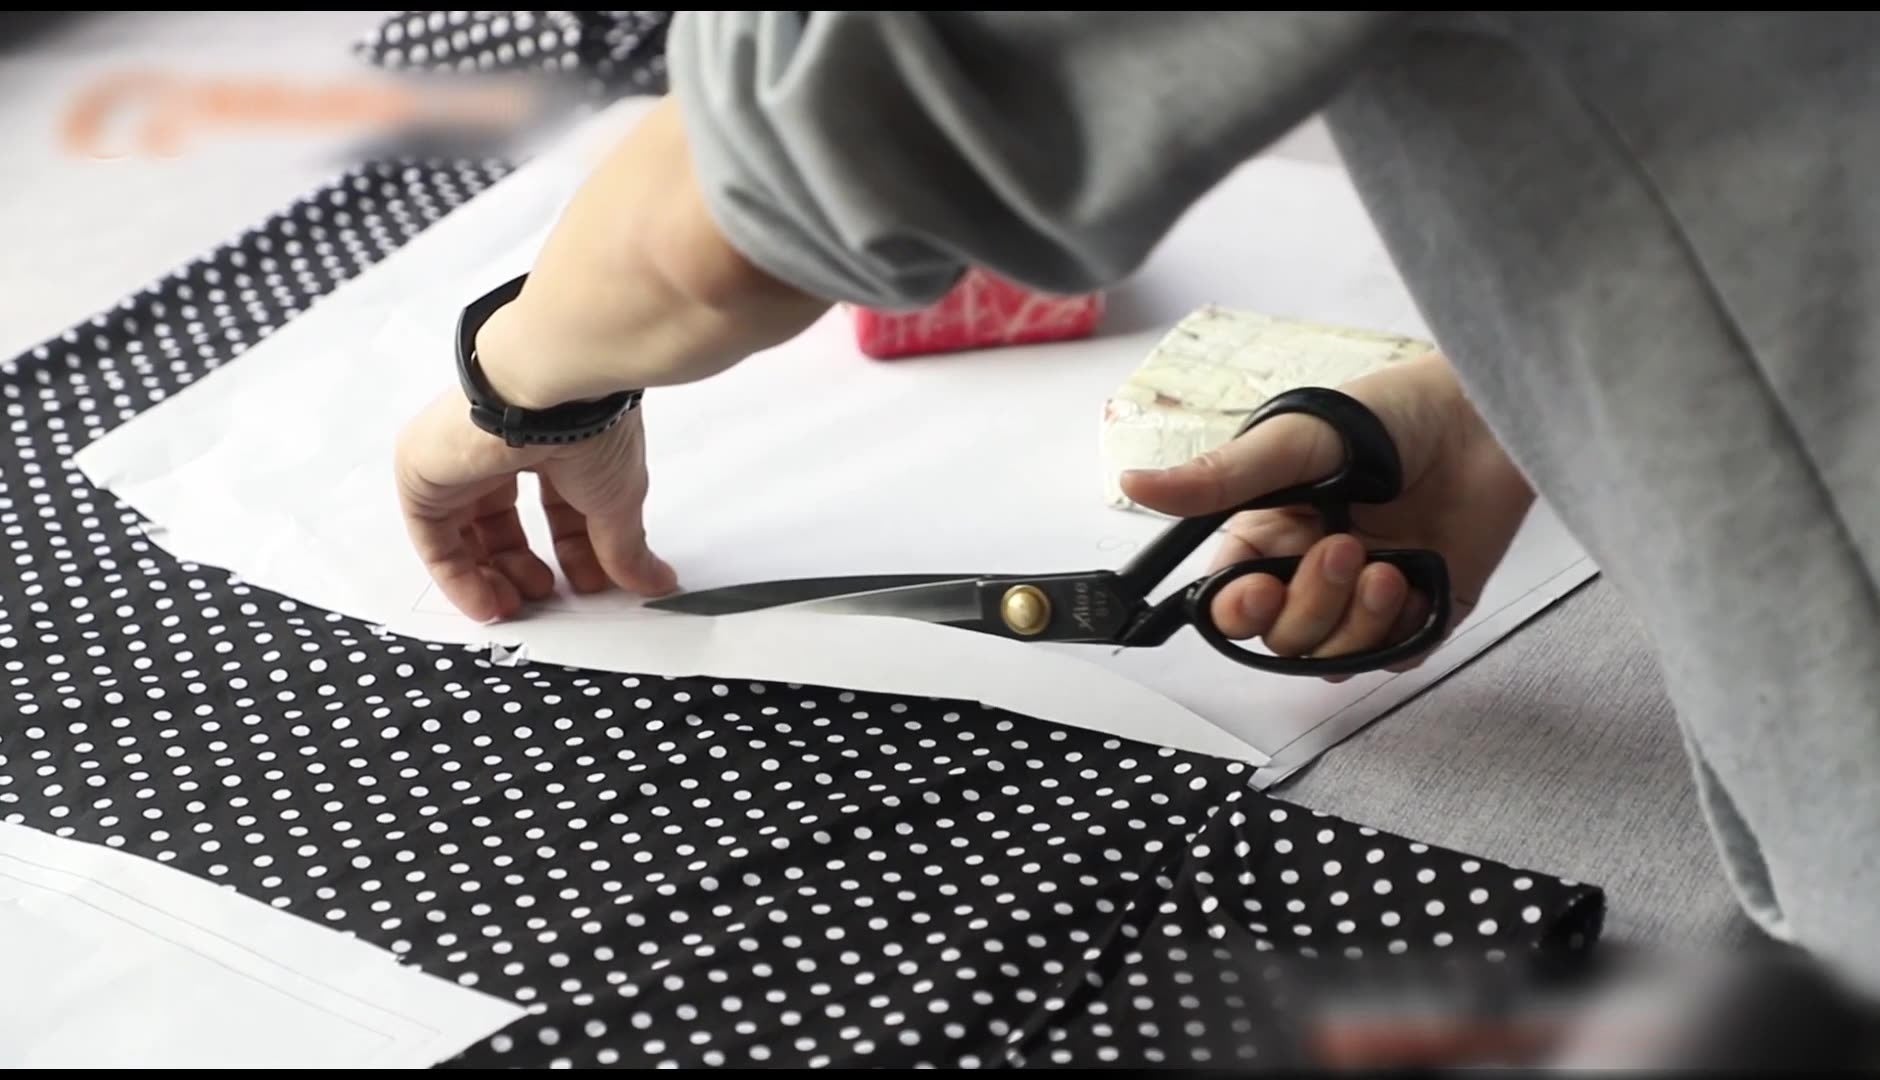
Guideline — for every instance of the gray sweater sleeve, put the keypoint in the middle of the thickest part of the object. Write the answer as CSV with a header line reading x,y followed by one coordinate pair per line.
x,y
870,157
1647,241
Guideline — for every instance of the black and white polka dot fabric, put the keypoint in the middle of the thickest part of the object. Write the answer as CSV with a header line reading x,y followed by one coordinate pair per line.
x,y
678,872
620,50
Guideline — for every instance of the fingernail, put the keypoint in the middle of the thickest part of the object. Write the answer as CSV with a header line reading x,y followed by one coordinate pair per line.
x,y
1380,594
1343,562
1260,606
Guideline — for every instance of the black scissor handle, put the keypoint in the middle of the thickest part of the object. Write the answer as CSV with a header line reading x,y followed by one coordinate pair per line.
x,y
1371,471
1425,571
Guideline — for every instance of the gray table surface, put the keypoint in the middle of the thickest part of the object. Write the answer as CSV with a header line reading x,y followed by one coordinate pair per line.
x,y
1556,750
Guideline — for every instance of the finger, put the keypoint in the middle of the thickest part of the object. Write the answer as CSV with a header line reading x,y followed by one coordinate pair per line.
x,y
473,543
441,480
620,546
1234,548
608,485
503,592
1268,533
527,572
573,549
1410,619
506,547
469,587
499,597
451,561
1318,596
1368,623
1284,451
1247,606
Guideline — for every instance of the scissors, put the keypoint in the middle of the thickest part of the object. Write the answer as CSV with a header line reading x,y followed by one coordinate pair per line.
x,y
1112,607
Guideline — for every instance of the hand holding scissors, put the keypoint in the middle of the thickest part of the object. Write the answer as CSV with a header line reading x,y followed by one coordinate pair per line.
x,y
1113,606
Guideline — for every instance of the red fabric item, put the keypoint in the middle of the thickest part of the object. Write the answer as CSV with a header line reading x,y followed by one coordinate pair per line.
x,y
981,312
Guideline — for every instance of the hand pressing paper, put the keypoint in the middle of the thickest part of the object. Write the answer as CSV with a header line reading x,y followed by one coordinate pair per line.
x,y
113,961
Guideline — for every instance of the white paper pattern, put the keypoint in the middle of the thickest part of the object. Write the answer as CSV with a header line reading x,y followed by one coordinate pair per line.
x,y
808,460
114,961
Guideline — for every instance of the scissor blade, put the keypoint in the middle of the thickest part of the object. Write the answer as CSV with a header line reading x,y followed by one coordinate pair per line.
x,y
931,597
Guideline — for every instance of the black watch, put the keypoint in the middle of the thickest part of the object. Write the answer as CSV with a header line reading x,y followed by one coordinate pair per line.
x,y
566,423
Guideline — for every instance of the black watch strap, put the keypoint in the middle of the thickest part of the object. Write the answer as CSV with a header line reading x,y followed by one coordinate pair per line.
x,y
566,423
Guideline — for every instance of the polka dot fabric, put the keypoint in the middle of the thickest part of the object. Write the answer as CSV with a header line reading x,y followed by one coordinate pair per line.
x,y
619,50
665,872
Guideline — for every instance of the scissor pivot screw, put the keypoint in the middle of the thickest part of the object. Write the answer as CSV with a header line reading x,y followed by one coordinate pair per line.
x,y
1026,609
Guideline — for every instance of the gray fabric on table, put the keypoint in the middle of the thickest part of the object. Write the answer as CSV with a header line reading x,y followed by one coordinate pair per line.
x,y
1556,749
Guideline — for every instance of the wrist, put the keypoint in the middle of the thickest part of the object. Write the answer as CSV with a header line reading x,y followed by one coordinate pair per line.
x,y
550,346
529,364
637,286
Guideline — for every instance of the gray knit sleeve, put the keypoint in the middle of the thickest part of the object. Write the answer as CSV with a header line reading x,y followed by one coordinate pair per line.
x,y
871,157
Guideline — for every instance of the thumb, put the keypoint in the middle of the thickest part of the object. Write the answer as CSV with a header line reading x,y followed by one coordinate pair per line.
x,y
1289,449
